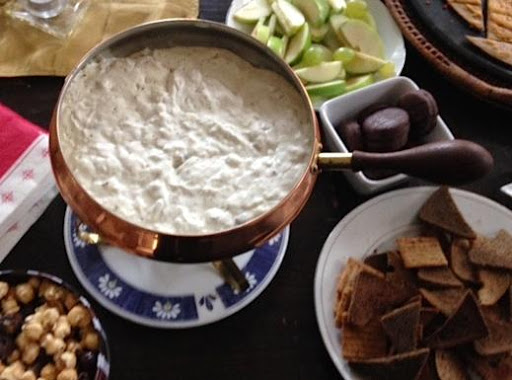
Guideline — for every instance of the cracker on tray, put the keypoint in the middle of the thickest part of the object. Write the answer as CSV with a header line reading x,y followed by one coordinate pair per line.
x,y
495,283
495,252
441,277
401,326
459,261
397,367
364,342
464,325
449,366
421,252
444,300
441,211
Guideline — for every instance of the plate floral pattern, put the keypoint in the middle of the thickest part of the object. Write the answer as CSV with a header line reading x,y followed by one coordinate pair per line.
x,y
173,309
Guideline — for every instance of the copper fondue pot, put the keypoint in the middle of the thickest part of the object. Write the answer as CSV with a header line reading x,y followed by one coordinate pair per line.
x,y
210,247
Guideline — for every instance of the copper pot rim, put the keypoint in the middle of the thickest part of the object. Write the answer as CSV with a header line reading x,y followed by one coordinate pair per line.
x,y
310,168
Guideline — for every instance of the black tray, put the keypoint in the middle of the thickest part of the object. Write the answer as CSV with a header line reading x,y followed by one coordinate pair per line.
x,y
449,31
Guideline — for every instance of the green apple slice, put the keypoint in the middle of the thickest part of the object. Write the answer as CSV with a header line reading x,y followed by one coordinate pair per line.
x,y
337,5
356,9
331,40
272,21
261,31
359,82
324,72
298,44
328,89
335,23
316,11
385,72
278,45
290,18
252,12
318,33
363,64
362,37
370,20
315,55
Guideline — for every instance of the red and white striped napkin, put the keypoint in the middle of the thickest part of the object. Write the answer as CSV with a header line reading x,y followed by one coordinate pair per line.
x,y
27,185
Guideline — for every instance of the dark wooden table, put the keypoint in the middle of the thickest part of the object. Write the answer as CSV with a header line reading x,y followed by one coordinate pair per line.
x,y
276,336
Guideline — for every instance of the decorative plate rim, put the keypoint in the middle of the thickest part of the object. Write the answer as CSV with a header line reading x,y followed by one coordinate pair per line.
x,y
132,316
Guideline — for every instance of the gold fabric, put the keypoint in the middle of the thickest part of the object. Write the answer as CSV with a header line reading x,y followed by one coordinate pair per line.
x,y
25,50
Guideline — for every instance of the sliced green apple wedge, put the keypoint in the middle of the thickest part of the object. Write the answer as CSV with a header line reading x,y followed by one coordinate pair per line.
x,y
316,11
328,89
335,23
356,9
360,36
261,31
252,12
323,72
278,45
356,83
290,18
363,64
318,33
385,72
337,5
298,44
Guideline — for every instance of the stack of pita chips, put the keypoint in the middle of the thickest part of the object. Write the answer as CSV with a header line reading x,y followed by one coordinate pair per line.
x,y
430,310
498,43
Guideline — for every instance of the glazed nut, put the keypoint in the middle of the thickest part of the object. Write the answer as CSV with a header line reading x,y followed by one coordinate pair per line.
x,y
53,292
13,357
22,340
28,375
33,330
10,306
4,289
52,345
78,316
13,371
48,372
49,317
61,329
30,353
70,300
24,293
34,282
91,340
67,374
73,346
65,360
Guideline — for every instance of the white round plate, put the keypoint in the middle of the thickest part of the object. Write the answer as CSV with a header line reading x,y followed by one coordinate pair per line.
x,y
166,295
392,38
374,226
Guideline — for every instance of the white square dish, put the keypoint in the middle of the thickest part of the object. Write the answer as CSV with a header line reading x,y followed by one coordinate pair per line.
x,y
346,107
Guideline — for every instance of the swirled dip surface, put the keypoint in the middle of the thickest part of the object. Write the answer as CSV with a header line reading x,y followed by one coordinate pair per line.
x,y
185,140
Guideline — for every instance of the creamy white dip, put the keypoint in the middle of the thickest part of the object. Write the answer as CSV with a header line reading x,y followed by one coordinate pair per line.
x,y
185,140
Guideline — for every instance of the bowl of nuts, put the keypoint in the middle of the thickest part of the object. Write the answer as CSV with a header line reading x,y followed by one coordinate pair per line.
x,y
389,117
48,331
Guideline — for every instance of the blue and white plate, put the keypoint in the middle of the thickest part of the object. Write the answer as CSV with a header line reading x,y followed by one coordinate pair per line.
x,y
167,295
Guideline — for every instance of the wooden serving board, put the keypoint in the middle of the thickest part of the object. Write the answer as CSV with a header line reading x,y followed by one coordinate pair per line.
x,y
440,36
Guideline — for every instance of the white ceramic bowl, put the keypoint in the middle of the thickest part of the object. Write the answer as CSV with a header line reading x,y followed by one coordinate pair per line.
x,y
394,48
346,107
